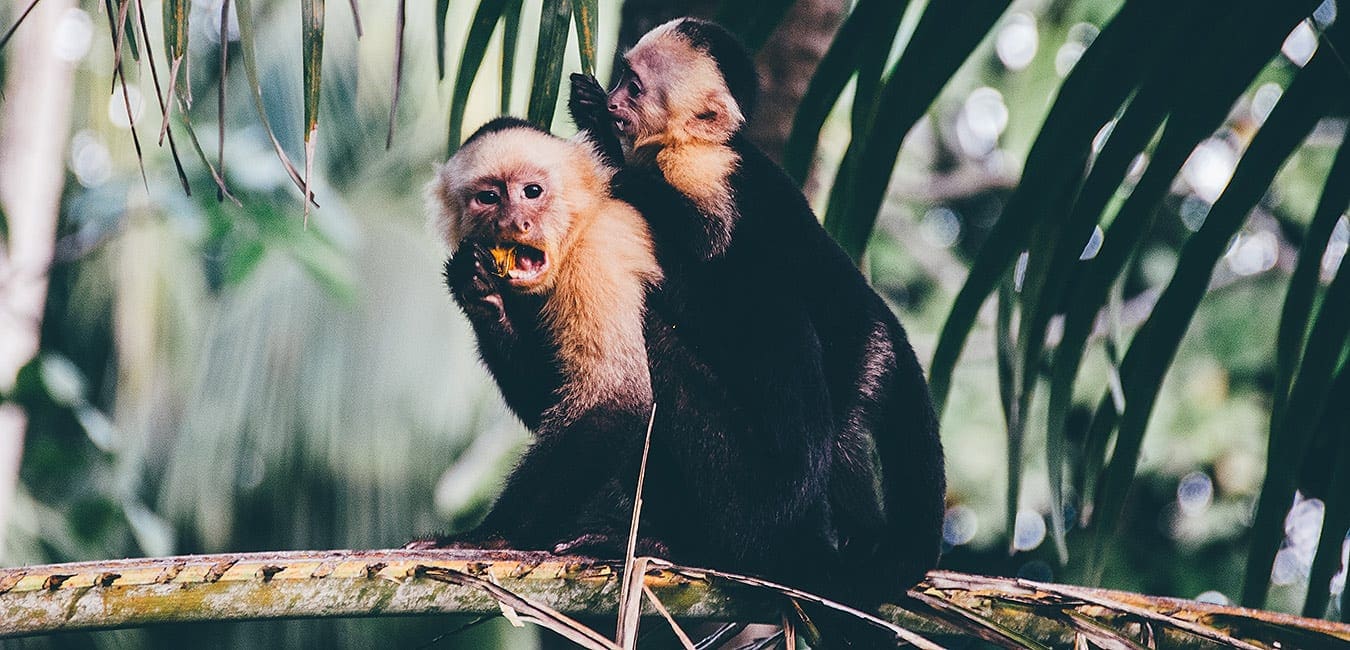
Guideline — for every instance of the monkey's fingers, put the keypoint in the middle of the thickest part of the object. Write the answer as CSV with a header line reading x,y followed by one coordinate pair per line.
x,y
587,101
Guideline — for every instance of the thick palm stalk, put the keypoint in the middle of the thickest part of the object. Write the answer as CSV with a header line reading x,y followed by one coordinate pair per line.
x,y
307,584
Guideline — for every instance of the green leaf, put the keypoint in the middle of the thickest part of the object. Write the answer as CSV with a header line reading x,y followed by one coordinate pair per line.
x,y
221,86
1292,437
554,17
1198,96
1092,93
510,36
1336,516
164,100
475,46
442,9
946,35
244,14
1303,284
129,32
400,21
863,40
752,22
1151,352
587,21
1008,381
176,29
311,19
356,19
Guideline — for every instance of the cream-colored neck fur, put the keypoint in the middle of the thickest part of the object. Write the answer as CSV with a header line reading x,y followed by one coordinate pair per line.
x,y
595,309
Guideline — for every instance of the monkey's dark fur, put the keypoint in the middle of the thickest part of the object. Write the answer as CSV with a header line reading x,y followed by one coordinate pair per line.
x,y
794,436
774,309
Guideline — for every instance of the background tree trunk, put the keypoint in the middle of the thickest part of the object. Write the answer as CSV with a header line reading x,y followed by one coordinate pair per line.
x,y
34,128
786,64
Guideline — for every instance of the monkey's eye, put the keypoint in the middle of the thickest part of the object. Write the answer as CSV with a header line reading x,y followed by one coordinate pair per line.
x,y
488,197
533,190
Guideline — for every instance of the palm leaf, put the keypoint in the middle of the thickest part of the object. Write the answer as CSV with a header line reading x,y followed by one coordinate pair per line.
x,y
554,18
510,36
1292,436
400,22
442,9
1090,95
311,19
862,41
944,38
244,14
1013,415
1151,351
1303,283
1336,516
587,20
475,47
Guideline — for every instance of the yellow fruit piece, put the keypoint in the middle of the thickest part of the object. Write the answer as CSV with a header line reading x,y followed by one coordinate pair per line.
x,y
505,259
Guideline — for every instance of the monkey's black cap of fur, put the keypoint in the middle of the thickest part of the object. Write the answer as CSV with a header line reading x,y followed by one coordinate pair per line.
x,y
503,123
732,58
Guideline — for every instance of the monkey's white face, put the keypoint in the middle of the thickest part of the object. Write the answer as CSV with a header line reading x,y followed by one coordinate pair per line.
x,y
670,92
637,104
508,192
516,214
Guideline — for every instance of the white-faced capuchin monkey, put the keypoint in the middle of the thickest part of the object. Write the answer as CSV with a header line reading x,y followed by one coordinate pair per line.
x,y
752,280
534,231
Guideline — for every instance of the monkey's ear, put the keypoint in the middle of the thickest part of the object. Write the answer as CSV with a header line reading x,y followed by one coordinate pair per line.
x,y
716,119
443,209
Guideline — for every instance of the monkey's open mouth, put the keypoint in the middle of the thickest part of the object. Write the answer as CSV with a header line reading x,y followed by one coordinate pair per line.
x,y
518,262
622,125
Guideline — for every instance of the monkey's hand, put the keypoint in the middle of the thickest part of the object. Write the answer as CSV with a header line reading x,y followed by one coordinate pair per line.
x,y
475,287
588,104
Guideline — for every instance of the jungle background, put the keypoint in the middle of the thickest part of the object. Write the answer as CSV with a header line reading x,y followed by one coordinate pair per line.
x,y
199,373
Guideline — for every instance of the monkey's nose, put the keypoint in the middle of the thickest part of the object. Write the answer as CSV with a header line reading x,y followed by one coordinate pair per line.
x,y
516,225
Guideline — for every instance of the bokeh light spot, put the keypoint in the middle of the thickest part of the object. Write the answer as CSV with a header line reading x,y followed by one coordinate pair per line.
x,y
1028,530
1094,244
1300,45
1195,492
1017,41
959,525
940,227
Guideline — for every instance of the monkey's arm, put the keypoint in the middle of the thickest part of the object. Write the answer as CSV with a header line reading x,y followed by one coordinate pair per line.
x,y
587,105
510,337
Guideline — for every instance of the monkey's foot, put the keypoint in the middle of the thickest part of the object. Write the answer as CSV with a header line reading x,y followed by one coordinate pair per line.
x,y
465,540
606,545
